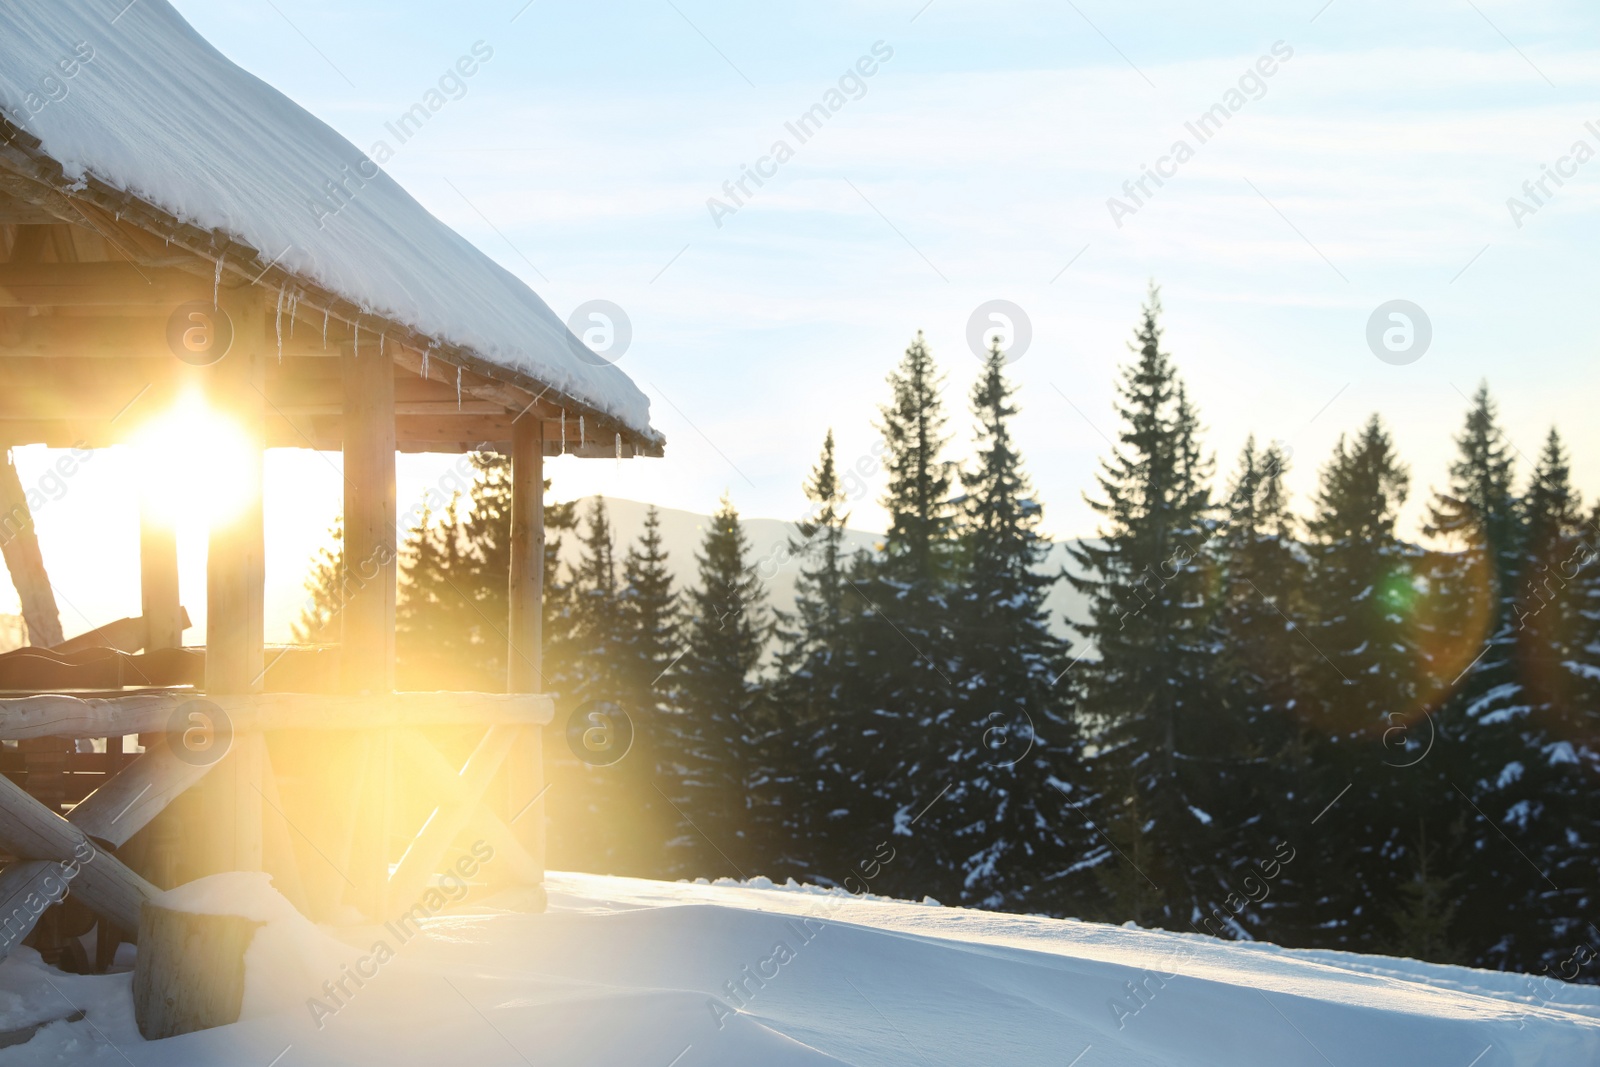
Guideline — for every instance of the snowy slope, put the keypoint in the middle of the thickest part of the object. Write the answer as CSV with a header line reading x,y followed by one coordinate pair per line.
x,y
151,109
628,972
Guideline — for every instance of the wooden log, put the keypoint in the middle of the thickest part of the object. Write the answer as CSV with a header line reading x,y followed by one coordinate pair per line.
x,y
60,715
190,971
128,802
19,545
110,815
30,831
371,558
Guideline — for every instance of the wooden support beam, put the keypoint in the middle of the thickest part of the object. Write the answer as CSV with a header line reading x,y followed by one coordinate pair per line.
x,y
103,284
19,545
128,802
525,769
164,616
511,855
235,593
30,831
371,557
526,591
429,848
110,815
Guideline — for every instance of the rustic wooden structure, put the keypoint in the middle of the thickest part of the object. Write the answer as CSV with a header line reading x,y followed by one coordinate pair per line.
x,y
234,773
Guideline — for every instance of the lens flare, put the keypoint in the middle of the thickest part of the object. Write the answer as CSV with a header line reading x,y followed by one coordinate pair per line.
x,y
194,464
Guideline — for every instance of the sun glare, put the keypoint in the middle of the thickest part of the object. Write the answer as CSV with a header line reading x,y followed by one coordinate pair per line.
x,y
192,462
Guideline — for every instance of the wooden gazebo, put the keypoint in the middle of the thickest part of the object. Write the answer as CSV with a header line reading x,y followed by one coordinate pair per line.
x,y
160,203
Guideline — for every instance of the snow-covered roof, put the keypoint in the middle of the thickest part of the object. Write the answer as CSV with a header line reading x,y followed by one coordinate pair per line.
x,y
153,111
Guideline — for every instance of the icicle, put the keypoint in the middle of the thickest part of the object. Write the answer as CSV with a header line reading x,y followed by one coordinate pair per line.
x,y
277,322
324,327
381,338
355,344
425,352
563,431
294,312
216,285
619,446
458,387
580,431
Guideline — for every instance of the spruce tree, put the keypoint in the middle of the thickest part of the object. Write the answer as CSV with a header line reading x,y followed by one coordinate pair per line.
x,y
595,796
899,613
819,789
1529,775
1372,746
648,609
1147,693
712,743
1262,665
1019,750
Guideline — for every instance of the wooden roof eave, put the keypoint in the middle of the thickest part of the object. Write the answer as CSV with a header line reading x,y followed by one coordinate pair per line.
x,y
27,173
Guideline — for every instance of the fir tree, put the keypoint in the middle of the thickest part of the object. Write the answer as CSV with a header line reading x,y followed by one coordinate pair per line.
x,y
1371,727
899,612
648,607
1147,692
1263,664
1019,747
712,741
818,788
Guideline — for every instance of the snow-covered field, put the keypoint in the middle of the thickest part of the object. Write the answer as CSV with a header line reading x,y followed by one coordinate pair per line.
x,y
627,972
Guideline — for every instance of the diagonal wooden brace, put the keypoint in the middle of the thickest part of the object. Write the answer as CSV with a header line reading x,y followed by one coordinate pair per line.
x,y
61,855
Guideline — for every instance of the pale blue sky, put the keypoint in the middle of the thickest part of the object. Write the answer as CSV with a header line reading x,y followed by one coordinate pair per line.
x,y
1375,165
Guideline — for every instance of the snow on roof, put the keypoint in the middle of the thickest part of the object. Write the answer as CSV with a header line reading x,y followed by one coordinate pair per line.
x,y
152,110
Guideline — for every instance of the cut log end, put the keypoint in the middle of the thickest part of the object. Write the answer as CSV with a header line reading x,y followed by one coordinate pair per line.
x,y
189,974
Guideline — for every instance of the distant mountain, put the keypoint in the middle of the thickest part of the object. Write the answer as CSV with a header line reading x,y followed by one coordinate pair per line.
x,y
682,531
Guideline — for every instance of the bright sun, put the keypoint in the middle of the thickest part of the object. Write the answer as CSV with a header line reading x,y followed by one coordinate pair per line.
x,y
192,462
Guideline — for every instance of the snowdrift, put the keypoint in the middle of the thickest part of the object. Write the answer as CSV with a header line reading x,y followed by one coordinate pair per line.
x,y
629,972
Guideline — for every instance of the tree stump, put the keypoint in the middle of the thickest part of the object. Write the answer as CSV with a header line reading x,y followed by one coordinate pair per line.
x,y
189,973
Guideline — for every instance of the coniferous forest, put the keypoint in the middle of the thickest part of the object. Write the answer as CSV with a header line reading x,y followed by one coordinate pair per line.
x,y
1281,721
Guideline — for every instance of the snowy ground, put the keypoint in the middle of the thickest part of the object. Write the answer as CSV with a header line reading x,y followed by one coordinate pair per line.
x,y
627,972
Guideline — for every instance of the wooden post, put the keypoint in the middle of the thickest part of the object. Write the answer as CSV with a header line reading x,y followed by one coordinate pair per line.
x,y
525,770
235,587
370,557
19,544
158,582
371,571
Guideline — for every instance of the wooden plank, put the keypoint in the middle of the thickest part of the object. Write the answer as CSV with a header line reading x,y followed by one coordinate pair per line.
x,y
115,284
19,545
370,513
60,715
